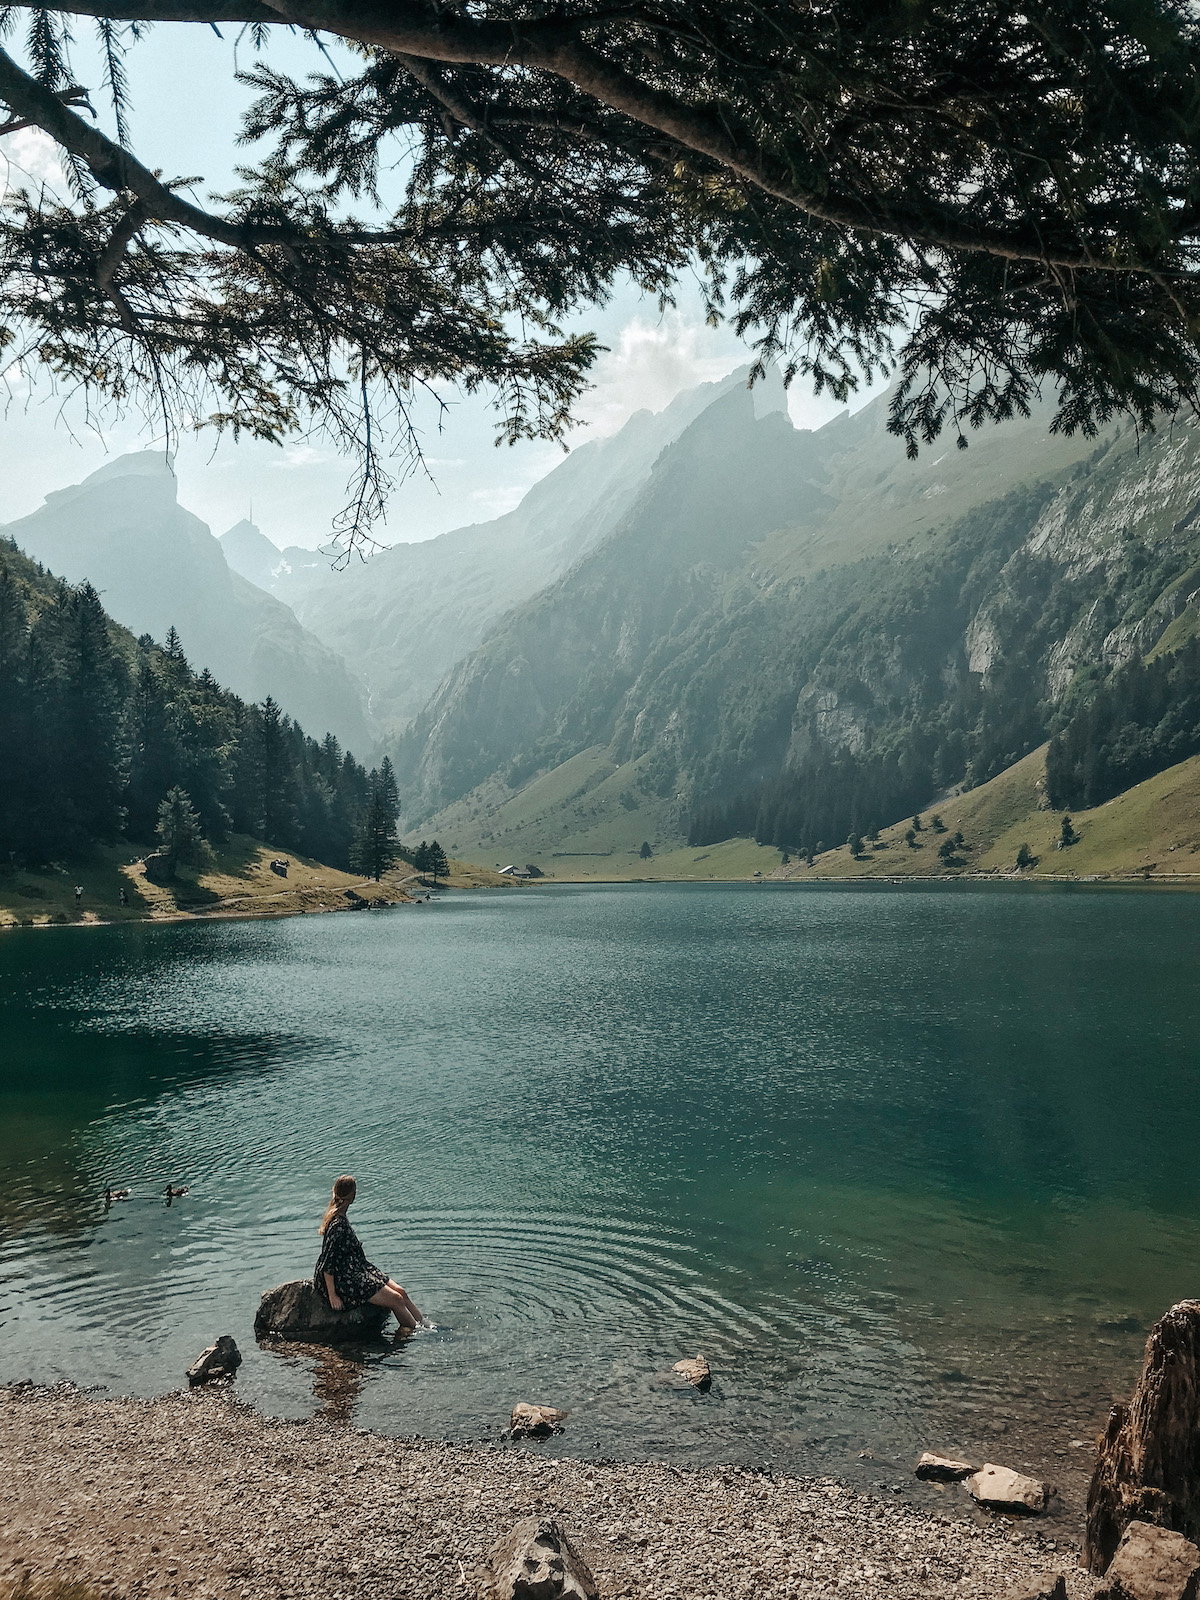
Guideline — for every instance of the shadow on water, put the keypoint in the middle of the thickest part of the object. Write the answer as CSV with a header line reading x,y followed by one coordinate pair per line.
x,y
339,1374
79,1051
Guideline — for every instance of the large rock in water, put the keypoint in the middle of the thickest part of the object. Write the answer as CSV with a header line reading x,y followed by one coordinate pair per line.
x,y
1148,1459
295,1311
1002,1489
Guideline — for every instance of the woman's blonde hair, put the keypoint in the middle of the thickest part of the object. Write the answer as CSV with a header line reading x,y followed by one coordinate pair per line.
x,y
344,1190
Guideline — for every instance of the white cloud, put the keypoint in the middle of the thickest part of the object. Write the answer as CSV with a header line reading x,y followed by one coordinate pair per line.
x,y
30,155
648,366
307,455
498,498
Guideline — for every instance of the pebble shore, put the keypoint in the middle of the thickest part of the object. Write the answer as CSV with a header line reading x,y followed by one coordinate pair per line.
x,y
196,1496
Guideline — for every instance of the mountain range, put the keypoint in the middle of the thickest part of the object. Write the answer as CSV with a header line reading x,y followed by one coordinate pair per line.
x,y
404,618
156,566
774,608
708,625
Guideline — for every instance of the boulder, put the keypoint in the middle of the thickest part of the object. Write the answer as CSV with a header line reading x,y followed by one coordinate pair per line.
x,y
535,1422
295,1311
1148,1458
1152,1563
1002,1489
1052,1587
695,1370
942,1469
160,867
220,1360
537,1561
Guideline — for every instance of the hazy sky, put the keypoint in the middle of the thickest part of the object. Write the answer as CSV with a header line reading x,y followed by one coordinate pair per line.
x,y
185,114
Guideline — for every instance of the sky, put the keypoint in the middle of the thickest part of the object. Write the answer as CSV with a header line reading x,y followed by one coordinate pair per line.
x,y
186,107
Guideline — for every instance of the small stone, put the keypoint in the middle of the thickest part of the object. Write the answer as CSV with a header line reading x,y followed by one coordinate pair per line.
x,y
220,1360
694,1370
535,1422
537,1561
1051,1587
942,1469
1002,1489
1152,1563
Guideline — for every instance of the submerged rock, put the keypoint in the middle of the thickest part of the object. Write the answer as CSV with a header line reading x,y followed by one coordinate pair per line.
x,y
535,1422
1152,1563
1148,1459
295,1311
1002,1489
220,1360
695,1370
942,1469
537,1561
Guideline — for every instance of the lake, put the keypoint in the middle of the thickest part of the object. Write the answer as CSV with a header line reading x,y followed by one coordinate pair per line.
x,y
913,1166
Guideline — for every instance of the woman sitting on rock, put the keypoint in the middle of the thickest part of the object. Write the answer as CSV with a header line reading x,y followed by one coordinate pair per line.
x,y
344,1277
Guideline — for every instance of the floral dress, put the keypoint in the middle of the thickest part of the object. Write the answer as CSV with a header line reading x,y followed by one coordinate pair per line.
x,y
354,1278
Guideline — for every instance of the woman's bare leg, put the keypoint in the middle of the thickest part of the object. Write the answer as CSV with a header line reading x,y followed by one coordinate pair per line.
x,y
407,1298
398,1304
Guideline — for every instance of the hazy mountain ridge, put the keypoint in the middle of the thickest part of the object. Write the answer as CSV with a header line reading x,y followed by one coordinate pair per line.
x,y
409,614
719,662
157,566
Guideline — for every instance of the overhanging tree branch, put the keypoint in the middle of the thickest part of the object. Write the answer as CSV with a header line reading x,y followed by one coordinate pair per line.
x,y
990,198
552,45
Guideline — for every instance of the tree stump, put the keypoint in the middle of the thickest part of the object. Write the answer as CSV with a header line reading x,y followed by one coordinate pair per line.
x,y
1148,1458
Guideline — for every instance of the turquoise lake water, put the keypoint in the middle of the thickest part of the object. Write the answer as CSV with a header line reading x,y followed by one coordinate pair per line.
x,y
914,1167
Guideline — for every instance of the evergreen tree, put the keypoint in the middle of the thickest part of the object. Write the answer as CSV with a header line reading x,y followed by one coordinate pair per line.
x,y
180,836
16,733
439,866
96,731
277,769
389,793
375,842
94,685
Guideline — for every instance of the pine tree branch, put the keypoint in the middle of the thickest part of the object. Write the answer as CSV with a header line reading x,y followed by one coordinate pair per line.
x,y
552,44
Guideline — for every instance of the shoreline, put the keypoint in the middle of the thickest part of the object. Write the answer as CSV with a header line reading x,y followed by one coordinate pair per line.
x,y
240,887
197,1496
385,897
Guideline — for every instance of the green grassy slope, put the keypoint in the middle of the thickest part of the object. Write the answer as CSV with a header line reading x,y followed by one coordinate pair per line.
x,y
236,882
586,817
1151,831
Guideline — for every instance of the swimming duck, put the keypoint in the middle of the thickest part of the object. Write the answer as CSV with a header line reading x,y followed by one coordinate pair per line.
x,y
116,1194
173,1193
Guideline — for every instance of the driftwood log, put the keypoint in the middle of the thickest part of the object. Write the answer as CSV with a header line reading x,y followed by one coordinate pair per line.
x,y
1148,1458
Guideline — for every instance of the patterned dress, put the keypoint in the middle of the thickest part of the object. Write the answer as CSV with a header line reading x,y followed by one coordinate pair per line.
x,y
354,1278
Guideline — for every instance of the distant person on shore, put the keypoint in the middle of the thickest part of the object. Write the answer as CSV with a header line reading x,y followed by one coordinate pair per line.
x,y
344,1278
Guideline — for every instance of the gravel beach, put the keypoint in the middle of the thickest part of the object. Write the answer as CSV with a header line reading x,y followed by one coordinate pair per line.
x,y
194,1495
